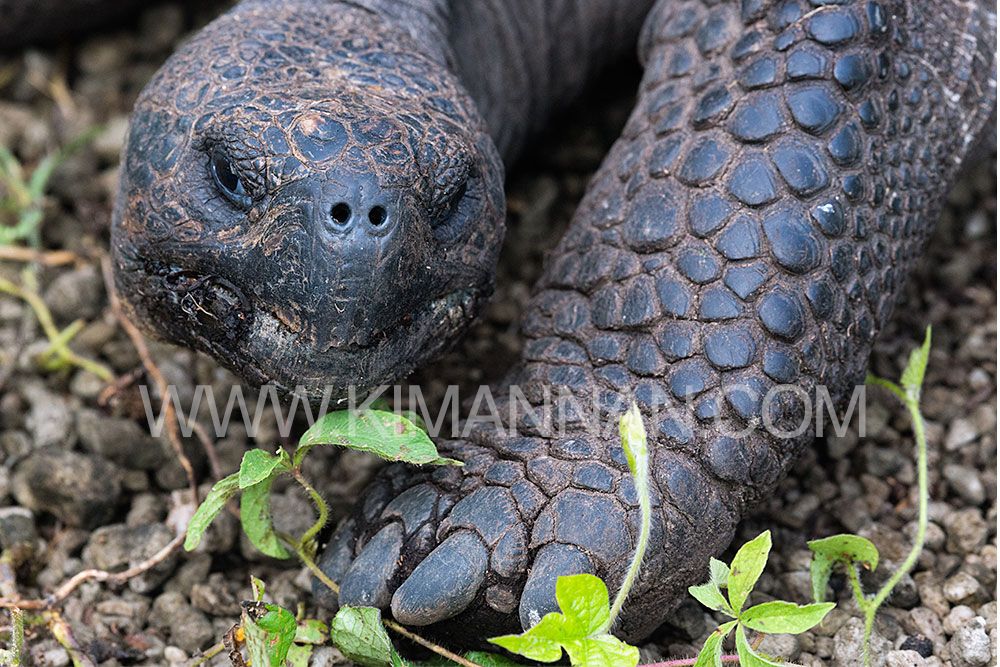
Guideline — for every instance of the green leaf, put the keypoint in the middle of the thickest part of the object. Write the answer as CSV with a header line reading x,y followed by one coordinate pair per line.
x,y
583,599
359,634
749,657
746,568
311,631
224,489
385,434
711,653
602,651
913,375
541,642
633,436
710,596
779,617
718,572
299,654
819,574
258,465
258,587
828,551
579,629
255,516
269,631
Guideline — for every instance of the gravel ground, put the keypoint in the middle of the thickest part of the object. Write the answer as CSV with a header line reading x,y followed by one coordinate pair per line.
x,y
83,485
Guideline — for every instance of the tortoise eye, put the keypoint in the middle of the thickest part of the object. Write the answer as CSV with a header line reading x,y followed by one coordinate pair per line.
x,y
228,181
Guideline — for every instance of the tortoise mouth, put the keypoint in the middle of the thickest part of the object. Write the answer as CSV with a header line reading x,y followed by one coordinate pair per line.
x,y
292,362
246,336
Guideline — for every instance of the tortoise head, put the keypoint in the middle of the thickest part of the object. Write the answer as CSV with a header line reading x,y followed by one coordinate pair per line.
x,y
308,198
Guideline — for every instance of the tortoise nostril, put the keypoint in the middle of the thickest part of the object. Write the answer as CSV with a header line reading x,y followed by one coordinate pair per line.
x,y
377,215
341,213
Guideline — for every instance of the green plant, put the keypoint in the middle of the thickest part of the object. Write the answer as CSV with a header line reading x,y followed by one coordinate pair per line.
x,y
775,617
388,435
25,193
582,630
14,656
273,636
58,355
265,628
851,551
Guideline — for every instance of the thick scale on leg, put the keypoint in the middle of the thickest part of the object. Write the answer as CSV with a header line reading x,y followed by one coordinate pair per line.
x,y
750,229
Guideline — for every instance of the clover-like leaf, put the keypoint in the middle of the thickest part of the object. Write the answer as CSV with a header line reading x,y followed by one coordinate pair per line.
x,y
579,629
749,657
255,516
846,549
269,630
916,367
710,654
359,634
779,617
258,465
221,492
387,435
746,568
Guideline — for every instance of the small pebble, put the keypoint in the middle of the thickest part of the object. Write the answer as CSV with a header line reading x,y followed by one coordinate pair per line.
x,y
964,481
903,658
921,645
961,588
957,617
960,433
17,526
970,646
966,531
80,489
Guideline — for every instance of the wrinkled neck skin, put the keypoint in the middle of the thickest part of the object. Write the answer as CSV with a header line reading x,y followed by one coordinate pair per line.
x,y
519,60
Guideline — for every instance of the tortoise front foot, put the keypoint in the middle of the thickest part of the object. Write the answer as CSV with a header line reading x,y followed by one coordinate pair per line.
x,y
476,550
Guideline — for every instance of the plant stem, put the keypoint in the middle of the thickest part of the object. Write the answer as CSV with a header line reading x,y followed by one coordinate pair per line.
x,y
322,509
634,443
17,637
58,347
315,569
208,655
646,519
859,592
913,406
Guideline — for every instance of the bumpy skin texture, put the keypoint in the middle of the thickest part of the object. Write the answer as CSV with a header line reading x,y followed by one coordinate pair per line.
x,y
308,195
751,228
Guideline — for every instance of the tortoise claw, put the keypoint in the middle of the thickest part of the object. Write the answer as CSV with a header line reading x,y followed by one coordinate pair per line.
x,y
445,583
553,561
367,581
